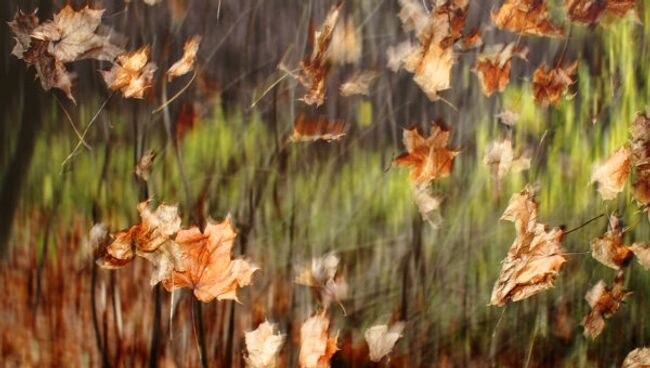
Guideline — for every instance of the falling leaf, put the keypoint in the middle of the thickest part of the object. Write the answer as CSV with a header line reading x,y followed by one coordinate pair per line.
x,y
263,346
550,84
534,258
316,346
604,303
381,339
322,275
612,174
640,131
429,157
75,35
132,73
528,17
426,202
637,358
500,159
493,66
22,26
472,39
358,84
619,8
642,253
306,129
396,55
507,117
609,249
143,168
315,66
346,45
186,63
208,268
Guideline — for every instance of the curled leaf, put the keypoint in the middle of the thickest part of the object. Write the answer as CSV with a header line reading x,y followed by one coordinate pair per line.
x,y
604,303
612,174
381,339
493,66
263,346
316,346
609,249
186,63
131,74
550,84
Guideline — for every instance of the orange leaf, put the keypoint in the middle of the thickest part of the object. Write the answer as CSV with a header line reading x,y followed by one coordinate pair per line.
x,y
306,129
186,63
316,346
132,73
493,66
609,249
529,17
550,84
612,174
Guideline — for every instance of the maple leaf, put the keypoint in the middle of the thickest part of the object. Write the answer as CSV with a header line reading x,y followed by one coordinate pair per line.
x,y
208,268
637,358
529,17
500,159
315,67
322,275
429,157
132,73
358,84
612,174
550,84
346,45
381,339
609,249
75,35
604,303
316,346
493,66
22,26
306,129
534,258
186,63
119,252
263,346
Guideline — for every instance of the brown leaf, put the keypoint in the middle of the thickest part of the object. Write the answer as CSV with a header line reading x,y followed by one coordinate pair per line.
x,y
346,45
609,249
315,66
207,266
642,253
132,73
306,129
534,258
612,174
429,157
426,203
584,11
75,35
640,131
550,84
186,63
507,117
358,84
493,66
604,303
637,358
529,17
316,346
143,168
22,26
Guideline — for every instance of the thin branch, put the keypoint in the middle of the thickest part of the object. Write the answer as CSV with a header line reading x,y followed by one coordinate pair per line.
x,y
584,224
167,102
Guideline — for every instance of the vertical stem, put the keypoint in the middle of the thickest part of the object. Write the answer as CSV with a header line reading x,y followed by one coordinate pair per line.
x,y
197,321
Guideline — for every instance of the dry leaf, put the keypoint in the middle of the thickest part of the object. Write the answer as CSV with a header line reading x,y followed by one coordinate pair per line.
x,y
471,39
22,26
323,276
493,66
263,346
143,168
358,84
306,129
316,346
429,157
186,63
507,117
75,35
529,17
381,339
315,66
132,73
640,131
609,249
642,253
500,159
612,174
346,46
604,303
637,358
534,258
425,201
207,266
550,84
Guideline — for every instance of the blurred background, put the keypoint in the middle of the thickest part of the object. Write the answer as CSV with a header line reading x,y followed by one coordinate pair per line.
x,y
222,149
